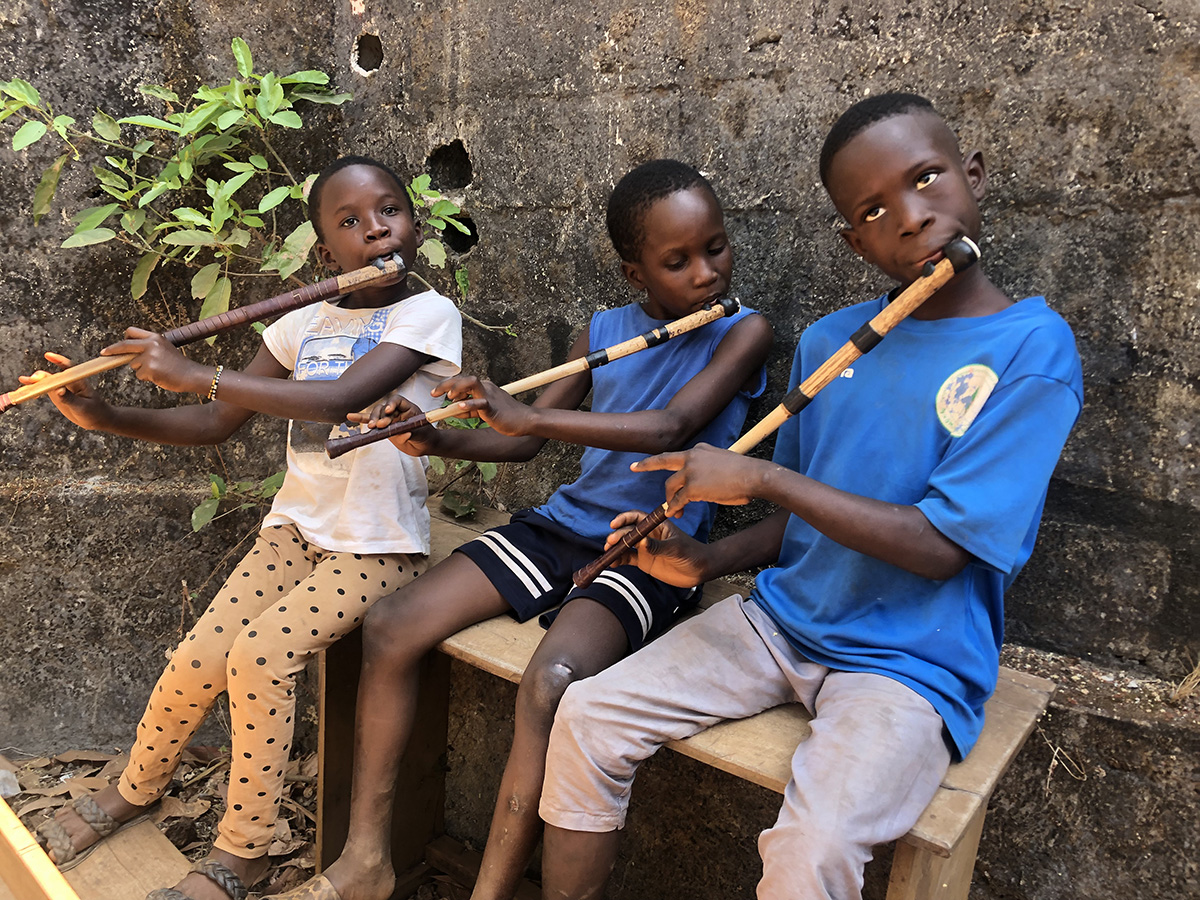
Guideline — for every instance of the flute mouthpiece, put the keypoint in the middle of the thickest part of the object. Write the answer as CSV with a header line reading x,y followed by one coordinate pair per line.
x,y
962,253
730,304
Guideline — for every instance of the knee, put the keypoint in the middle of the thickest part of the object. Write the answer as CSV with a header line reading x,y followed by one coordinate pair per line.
x,y
810,858
389,629
542,689
252,653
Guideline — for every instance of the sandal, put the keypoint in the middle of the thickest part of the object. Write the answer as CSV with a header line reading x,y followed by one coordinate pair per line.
x,y
224,878
54,838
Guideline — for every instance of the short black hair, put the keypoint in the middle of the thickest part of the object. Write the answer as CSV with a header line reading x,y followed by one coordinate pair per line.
x,y
344,162
862,115
640,189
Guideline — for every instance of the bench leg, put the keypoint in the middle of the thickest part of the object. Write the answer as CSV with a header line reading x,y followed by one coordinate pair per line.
x,y
922,875
420,785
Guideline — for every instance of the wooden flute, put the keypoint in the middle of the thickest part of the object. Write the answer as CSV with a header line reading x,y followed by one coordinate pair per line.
x,y
959,254
379,270
726,306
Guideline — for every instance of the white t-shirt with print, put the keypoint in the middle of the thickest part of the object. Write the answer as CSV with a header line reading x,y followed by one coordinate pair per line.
x,y
369,500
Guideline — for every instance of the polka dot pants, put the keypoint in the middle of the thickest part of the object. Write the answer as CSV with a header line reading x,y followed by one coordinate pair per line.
x,y
286,601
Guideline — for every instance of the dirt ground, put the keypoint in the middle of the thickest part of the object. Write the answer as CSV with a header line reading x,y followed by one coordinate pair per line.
x,y
189,812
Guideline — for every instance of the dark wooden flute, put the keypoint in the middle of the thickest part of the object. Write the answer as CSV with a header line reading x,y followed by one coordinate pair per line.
x,y
959,254
726,306
205,328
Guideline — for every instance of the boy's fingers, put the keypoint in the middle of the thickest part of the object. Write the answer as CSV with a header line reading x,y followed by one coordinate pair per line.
x,y
672,462
57,358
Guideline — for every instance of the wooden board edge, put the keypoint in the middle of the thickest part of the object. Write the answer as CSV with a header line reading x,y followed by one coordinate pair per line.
x,y
24,866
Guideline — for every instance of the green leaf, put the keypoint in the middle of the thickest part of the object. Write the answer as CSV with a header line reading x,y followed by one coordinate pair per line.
x,y
151,122
133,220
191,216
153,194
217,300
162,93
294,253
458,225
252,221
437,464
259,162
61,124
274,198
112,179
243,57
232,186
240,167
29,133
89,218
439,224
316,97
23,91
106,126
287,119
87,238
462,280
219,489
44,193
487,470
420,184
230,118
458,504
433,250
444,208
190,238
271,484
239,237
185,169
203,281
203,513
308,76
141,274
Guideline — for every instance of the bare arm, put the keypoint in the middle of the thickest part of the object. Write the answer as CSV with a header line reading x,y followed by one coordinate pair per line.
x,y
895,534
365,381
554,415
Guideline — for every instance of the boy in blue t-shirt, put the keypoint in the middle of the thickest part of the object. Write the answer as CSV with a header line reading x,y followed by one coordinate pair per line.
x,y
910,492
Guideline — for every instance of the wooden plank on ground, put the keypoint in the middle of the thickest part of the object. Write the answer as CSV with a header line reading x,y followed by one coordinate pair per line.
x,y
129,864
27,872
462,864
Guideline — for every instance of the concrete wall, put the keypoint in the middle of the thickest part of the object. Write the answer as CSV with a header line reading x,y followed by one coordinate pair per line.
x,y
1088,115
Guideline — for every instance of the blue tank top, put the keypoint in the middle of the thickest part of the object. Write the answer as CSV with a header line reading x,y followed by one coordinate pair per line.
x,y
645,380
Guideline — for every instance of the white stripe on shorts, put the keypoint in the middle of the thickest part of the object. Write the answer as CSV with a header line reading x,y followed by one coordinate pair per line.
x,y
517,562
632,595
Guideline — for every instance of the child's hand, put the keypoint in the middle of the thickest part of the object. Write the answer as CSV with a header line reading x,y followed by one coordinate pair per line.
x,y
396,408
76,401
159,361
666,553
706,473
499,409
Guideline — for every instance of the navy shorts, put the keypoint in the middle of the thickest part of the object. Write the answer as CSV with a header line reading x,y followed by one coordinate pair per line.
x,y
531,561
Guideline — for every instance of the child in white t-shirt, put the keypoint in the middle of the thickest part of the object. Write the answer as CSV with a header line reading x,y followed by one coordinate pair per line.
x,y
340,535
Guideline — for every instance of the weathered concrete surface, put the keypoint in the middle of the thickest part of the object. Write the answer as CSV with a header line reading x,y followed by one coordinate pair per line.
x,y
1088,115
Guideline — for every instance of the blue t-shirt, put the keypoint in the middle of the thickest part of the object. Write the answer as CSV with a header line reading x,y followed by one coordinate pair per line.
x,y
963,418
645,380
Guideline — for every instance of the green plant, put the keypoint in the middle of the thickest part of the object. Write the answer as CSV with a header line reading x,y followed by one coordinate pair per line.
x,y
463,501
246,494
204,184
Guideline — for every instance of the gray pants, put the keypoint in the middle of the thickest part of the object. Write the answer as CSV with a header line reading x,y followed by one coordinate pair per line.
x,y
874,761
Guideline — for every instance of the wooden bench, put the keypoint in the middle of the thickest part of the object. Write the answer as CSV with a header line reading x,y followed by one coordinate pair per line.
x,y
934,860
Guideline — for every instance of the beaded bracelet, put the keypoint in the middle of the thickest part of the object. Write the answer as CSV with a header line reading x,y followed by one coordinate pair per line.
x,y
212,388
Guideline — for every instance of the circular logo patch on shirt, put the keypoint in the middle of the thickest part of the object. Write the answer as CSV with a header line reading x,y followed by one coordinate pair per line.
x,y
962,395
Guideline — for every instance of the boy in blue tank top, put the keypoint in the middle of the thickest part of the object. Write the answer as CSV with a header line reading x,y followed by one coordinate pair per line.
x,y
668,229
909,496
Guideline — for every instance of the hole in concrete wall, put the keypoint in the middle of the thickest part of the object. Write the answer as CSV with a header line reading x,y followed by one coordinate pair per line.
x,y
456,240
449,166
367,55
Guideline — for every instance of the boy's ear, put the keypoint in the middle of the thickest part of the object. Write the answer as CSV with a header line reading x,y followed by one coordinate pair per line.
x,y
633,274
326,257
850,236
976,172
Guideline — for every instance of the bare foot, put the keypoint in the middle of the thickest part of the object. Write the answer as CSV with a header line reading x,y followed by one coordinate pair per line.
x,y
350,878
82,834
201,887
